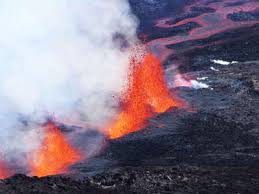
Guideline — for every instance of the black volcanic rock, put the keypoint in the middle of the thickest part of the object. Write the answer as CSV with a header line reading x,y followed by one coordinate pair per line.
x,y
237,3
162,33
22,184
210,147
178,179
244,16
195,11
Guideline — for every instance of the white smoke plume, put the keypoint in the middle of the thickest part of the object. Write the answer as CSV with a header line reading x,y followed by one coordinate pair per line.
x,y
60,58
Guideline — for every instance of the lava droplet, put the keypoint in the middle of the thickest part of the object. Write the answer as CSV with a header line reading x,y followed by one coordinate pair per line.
x,y
55,155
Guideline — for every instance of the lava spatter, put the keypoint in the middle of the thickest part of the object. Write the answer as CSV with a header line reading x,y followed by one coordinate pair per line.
x,y
146,94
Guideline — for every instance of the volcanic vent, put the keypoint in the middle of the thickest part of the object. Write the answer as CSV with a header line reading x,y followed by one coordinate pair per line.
x,y
63,80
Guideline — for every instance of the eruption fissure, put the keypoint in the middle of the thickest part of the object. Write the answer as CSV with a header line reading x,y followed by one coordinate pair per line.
x,y
61,58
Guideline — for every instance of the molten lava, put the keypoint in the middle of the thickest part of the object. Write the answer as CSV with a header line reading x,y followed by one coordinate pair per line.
x,y
55,155
4,172
146,94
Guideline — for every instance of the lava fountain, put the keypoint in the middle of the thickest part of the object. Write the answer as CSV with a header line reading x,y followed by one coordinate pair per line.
x,y
55,154
146,94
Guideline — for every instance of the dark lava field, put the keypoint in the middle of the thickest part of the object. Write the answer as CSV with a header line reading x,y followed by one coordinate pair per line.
x,y
211,146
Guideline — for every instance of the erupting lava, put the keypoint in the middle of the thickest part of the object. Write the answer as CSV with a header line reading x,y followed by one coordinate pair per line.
x,y
4,173
55,155
146,94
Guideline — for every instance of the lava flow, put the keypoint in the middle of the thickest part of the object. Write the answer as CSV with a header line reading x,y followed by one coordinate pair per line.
x,y
146,94
55,154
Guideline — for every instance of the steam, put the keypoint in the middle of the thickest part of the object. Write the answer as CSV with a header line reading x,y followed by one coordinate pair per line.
x,y
62,59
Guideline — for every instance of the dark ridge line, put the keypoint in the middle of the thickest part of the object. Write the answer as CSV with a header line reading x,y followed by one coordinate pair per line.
x,y
231,34
195,12
212,1
167,32
232,4
244,16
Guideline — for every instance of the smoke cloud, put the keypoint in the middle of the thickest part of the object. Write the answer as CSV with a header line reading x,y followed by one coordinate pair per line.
x,y
61,59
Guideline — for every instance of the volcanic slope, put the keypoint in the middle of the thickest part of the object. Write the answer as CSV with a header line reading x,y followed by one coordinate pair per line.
x,y
210,147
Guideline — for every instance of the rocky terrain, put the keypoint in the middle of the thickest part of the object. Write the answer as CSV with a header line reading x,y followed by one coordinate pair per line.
x,y
212,146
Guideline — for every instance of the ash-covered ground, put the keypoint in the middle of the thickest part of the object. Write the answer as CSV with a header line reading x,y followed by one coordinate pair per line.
x,y
210,147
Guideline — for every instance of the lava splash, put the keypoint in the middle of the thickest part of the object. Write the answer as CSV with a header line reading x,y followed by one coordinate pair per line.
x,y
146,94
55,155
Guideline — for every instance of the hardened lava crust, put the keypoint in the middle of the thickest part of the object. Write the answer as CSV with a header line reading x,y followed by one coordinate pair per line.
x,y
210,147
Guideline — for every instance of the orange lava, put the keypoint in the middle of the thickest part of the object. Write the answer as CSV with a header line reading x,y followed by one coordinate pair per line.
x,y
4,172
55,154
146,94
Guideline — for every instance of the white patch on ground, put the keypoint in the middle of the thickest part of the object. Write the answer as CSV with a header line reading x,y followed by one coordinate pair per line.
x,y
198,85
213,69
181,81
202,78
222,62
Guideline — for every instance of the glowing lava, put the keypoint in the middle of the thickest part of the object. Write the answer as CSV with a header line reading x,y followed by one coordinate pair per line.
x,y
55,154
146,94
4,172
